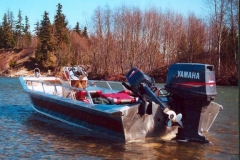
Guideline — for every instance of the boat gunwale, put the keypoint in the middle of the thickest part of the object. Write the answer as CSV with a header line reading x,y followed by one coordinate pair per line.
x,y
106,108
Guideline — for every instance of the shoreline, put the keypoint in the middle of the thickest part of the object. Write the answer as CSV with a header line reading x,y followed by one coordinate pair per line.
x,y
120,78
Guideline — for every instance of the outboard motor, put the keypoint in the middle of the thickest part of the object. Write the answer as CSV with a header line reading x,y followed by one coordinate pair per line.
x,y
141,84
144,87
192,88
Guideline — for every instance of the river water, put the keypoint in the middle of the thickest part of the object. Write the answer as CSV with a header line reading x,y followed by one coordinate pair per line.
x,y
25,134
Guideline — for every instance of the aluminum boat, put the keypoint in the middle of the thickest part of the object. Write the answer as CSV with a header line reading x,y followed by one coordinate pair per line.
x,y
131,110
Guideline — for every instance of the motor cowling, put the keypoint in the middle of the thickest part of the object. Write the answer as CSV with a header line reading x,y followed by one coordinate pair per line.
x,y
141,85
192,79
136,78
192,88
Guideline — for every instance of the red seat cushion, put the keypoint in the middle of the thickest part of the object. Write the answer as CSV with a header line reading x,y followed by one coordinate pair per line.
x,y
81,96
96,93
118,98
125,91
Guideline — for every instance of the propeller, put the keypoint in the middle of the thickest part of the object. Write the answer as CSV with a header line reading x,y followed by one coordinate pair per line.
x,y
172,117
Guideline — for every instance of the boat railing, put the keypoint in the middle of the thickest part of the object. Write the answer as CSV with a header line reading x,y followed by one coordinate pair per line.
x,y
66,91
56,89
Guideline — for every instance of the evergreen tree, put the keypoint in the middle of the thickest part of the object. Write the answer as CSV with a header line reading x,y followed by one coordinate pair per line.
x,y
27,26
10,18
37,28
19,29
84,33
77,28
1,37
60,25
27,34
45,45
7,33
61,38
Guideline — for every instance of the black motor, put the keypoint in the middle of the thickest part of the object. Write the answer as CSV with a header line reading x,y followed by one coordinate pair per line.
x,y
144,87
192,87
192,79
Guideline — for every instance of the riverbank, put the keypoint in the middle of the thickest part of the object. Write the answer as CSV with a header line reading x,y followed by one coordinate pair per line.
x,y
231,81
23,72
22,62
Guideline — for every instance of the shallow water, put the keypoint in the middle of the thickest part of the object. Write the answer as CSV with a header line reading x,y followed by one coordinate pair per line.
x,y
26,134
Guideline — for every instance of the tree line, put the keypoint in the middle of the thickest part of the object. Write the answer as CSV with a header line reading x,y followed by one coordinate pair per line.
x,y
130,37
14,34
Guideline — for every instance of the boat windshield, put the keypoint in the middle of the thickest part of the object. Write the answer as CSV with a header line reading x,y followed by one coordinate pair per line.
x,y
112,85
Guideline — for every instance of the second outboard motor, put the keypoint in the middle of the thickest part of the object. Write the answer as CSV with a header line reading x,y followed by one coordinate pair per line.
x,y
192,88
144,86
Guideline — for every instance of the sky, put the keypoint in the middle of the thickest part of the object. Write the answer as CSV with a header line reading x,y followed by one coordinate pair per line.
x,y
82,10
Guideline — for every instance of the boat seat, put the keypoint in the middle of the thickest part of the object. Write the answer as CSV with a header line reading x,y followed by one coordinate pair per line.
x,y
81,96
119,98
114,98
126,91
95,93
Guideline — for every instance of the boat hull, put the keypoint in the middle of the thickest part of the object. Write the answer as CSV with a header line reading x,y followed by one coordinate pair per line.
x,y
123,123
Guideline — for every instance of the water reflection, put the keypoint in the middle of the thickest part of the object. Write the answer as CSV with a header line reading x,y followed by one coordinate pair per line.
x,y
61,140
